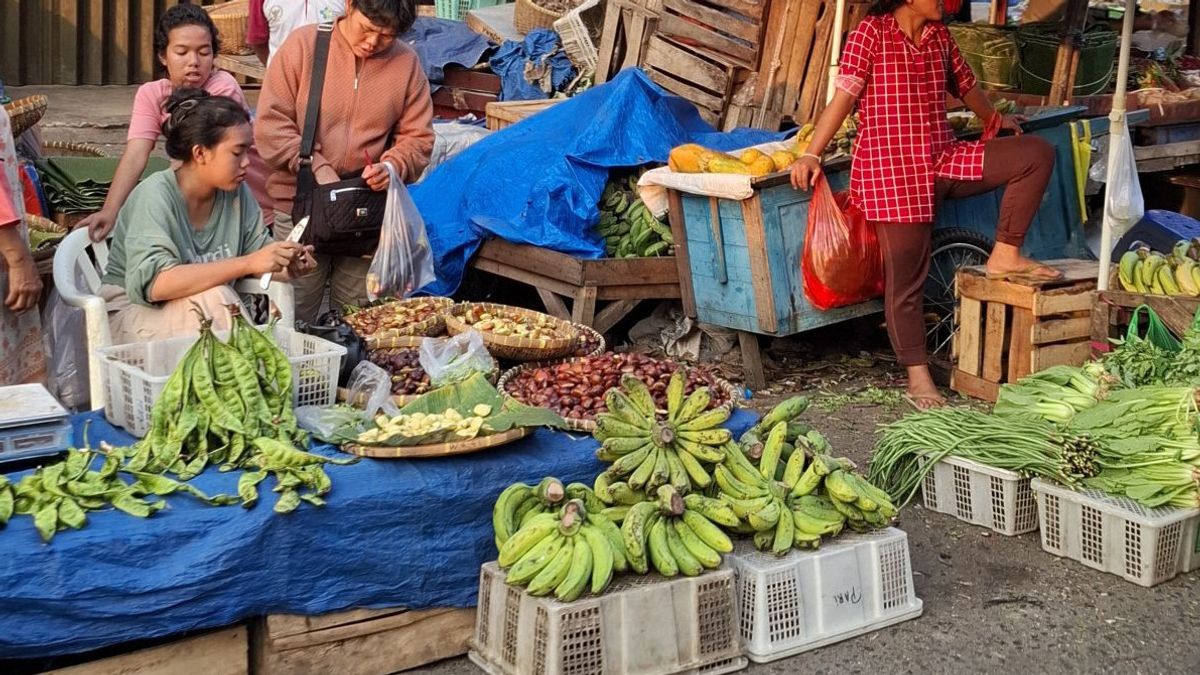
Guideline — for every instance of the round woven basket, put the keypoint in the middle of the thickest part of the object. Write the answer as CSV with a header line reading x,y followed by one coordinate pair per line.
x,y
516,348
432,326
733,394
528,17
65,149
26,112
230,19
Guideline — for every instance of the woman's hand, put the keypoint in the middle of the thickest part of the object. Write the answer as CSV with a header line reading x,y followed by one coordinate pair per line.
x,y
303,263
376,176
99,225
1013,123
24,285
805,171
275,257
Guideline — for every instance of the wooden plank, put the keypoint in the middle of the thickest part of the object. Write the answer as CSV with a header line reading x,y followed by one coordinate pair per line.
x,y
994,291
1170,150
245,65
1059,330
432,638
583,311
465,78
718,241
743,55
637,38
969,335
752,367
724,22
1102,320
803,82
1066,354
1175,311
760,266
117,64
368,623
1075,300
701,98
286,625
629,271
670,57
554,304
974,386
683,265
613,313
146,62
789,83
223,652
1021,345
751,9
534,259
66,43
526,277
92,43
638,292
995,336
606,50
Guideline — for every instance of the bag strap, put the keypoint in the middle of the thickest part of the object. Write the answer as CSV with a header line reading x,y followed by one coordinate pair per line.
x,y
305,181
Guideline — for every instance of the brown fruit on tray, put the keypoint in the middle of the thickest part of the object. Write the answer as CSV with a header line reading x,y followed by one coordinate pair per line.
x,y
394,316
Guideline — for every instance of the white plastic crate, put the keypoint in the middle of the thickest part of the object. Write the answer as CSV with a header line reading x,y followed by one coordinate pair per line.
x,y
997,499
133,375
852,585
639,626
1116,534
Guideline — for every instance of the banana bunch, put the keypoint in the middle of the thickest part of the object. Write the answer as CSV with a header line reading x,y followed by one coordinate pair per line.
x,y
1141,270
808,499
564,553
519,503
675,534
785,411
628,227
648,451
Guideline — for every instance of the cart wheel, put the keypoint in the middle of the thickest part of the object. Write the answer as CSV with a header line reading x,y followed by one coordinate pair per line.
x,y
951,249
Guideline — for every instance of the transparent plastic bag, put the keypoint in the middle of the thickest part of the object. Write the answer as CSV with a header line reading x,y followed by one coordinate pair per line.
x,y
1123,203
403,263
448,361
66,346
841,264
323,421
371,389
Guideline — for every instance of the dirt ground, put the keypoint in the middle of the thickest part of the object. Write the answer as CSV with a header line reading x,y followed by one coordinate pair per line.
x,y
991,603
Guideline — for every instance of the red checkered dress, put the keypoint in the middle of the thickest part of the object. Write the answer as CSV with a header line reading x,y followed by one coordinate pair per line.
x,y
904,141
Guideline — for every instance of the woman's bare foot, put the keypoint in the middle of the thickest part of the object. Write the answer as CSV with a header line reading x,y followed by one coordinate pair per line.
x,y
922,392
1006,261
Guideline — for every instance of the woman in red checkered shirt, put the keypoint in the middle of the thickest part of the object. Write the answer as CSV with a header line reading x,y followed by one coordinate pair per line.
x,y
898,65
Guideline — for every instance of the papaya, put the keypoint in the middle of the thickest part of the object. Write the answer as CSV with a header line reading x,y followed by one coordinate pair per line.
x,y
782,159
727,165
750,156
688,158
762,166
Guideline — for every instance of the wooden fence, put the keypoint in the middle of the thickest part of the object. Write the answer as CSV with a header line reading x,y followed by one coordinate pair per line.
x,y
79,41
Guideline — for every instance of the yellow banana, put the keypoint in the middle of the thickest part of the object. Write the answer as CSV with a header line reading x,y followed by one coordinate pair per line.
x,y
705,420
710,534
772,450
839,488
602,558
715,437
1127,269
794,468
701,451
703,553
696,403
1185,279
675,389
711,509
698,476
785,533
1166,278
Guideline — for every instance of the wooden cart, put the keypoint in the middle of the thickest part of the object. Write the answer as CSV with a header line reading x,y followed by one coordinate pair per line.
x,y
558,277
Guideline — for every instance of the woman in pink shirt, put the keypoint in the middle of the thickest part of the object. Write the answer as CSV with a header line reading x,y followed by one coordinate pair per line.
x,y
186,41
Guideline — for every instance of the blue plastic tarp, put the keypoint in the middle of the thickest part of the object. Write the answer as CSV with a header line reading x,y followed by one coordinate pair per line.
x,y
442,42
522,66
538,182
395,533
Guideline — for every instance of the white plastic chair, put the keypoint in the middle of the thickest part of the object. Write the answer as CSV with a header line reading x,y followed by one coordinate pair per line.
x,y
73,259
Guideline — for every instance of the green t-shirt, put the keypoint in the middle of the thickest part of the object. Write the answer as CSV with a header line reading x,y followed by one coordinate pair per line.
x,y
153,233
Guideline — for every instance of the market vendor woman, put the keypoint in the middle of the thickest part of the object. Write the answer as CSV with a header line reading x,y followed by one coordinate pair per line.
x,y
898,65
185,234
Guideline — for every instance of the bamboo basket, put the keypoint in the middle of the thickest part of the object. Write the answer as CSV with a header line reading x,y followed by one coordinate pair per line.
x,y
67,149
433,326
26,112
439,449
515,348
230,19
732,393
528,17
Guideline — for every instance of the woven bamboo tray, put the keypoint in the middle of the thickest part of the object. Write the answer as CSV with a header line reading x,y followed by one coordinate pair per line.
x,y
67,149
733,394
26,112
230,19
515,348
432,326
439,449
528,17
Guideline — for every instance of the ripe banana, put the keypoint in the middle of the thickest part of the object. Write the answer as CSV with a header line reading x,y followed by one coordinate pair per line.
x,y
695,403
712,509
675,389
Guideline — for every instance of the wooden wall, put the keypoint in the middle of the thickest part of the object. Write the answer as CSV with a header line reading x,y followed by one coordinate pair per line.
x,y
78,41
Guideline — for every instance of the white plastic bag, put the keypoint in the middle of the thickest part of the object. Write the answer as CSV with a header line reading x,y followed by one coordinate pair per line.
x,y
1123,203
371,389
455,359
403,263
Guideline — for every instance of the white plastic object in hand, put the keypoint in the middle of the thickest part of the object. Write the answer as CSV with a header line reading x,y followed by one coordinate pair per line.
x,y
294,236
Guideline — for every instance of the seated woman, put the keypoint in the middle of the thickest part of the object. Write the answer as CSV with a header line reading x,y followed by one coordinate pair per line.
x,y
186,43
186,233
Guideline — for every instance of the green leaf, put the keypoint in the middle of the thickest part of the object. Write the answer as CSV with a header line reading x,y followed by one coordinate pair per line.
x,y
154,484
6,503
288,501
248,487
71,515
313,499
46,521
134,506
77,463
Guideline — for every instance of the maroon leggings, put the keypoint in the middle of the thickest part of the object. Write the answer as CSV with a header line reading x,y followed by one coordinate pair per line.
x,y
1022,166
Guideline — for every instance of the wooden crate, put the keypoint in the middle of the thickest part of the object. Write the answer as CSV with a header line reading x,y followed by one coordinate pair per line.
x,y
501,114
1111,312
358,642
465,91
628,25
222,652
702,76
1006,330
729,27
557,277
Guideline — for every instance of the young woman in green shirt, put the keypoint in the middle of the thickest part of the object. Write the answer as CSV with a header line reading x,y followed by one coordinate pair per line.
x,y
185,234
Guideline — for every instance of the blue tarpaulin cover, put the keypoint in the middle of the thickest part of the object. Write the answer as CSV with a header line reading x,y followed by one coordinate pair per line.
x,y
442,42
538,182
539,54
395,533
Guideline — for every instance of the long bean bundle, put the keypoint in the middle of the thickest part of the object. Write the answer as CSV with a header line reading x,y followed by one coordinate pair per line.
x,y
909,448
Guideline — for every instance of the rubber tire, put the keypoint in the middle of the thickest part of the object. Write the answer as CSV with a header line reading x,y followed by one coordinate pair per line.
x,y
942,240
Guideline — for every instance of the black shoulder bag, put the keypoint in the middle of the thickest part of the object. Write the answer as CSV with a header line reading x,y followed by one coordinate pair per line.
x,y
344,218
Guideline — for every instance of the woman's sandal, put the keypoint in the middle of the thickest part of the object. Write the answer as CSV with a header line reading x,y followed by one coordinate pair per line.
x,y
931,401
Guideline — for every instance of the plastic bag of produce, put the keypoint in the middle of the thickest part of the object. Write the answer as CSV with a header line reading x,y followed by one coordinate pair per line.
x,y
1123,203
448,361
371,389
403,262
841,263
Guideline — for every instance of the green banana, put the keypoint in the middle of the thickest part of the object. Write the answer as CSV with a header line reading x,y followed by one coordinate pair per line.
x,y
696,474
532,563
641,476
695,403
764,540
691,554
554,572
609,426
659,549
711,509
772,450
581,570
623,445
662,471
806,523
734,488
602,486
640,396
809,481
526,538
739,465
707,532
785,533
528,508
634,532
504,521
616,513
1127,269
793,469
624,495
805,540
687,563
705,420
678,473
627,464
785,411
675,389
701,451
717,436
765,518
584,493
616,543
839,488
620,405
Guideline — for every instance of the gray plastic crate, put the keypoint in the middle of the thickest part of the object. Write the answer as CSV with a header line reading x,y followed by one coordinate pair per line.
x,y
852,585
639,626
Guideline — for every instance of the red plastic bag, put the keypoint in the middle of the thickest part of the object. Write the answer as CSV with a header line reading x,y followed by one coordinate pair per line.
x,y
842,264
